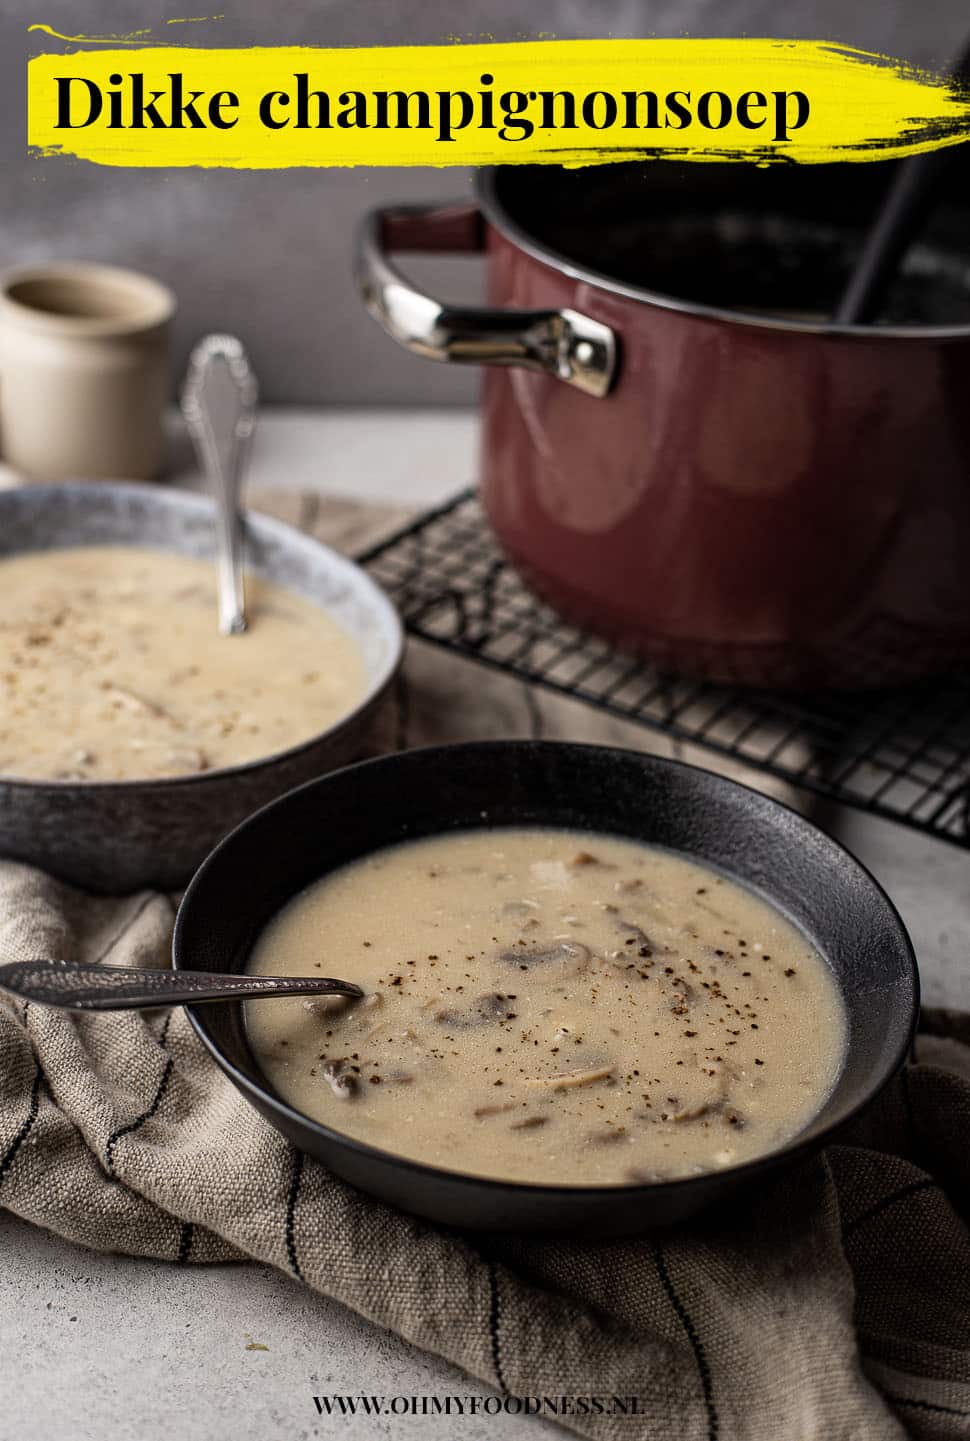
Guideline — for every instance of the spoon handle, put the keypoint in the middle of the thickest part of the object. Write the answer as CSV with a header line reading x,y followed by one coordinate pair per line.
x,y
219,406
78,987
904,211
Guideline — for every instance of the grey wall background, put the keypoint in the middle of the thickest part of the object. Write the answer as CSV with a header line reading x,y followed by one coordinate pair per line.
x,y
267,254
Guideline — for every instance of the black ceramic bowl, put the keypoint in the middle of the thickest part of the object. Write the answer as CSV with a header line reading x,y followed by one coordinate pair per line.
x,y
767,847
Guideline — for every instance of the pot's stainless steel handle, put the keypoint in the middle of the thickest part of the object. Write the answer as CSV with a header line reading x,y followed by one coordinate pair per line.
x,y
563,343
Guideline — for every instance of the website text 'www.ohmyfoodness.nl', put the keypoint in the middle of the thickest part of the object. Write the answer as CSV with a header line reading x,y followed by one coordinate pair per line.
x,y
427,1405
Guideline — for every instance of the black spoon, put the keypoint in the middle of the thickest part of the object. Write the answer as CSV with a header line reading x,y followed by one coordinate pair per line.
x,y
901,216
76,987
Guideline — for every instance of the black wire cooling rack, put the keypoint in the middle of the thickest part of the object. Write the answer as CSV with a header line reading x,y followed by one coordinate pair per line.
x,y
903,754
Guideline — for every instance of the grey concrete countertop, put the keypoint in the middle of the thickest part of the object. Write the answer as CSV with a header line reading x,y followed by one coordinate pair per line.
x,y
111,1348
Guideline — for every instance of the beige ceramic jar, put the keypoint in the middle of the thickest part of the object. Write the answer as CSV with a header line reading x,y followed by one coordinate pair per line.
x,y
84,371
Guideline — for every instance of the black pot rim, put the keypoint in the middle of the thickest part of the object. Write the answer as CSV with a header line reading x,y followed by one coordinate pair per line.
x,y
499,217
798,1146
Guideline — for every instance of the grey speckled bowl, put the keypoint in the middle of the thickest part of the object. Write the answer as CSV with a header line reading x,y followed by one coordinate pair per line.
x,y
121,835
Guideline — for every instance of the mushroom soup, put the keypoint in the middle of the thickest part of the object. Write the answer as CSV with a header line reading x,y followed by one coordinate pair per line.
x,y
112,667
549,1006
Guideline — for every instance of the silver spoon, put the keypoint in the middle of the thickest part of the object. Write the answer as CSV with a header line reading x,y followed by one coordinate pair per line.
x,y
219,406
77,987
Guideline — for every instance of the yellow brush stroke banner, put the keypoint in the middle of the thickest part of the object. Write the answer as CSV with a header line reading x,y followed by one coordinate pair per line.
x,y
567,102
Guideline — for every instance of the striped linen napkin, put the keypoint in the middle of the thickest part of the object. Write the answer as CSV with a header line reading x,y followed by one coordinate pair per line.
x,y
832,1303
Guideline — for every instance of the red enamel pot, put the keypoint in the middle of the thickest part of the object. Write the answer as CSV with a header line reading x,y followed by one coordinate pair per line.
x,y
680,451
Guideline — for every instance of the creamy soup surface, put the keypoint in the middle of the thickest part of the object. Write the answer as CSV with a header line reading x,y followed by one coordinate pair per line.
x,y
112,667
549,1006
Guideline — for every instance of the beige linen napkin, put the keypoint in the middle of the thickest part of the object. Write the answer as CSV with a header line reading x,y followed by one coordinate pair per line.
x,y
832,1302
